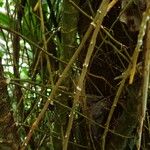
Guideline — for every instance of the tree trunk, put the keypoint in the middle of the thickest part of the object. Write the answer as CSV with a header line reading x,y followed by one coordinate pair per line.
x,y
8,131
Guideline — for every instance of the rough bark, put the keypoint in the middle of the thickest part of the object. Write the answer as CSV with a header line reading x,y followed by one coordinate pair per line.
x,y
68,45
9,139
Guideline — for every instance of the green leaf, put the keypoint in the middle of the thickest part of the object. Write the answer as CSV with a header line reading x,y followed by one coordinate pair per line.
x,y
1,3
24,73
4,19
1,53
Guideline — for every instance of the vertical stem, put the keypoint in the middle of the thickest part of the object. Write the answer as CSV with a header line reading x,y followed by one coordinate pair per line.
x,y
101,12
144,85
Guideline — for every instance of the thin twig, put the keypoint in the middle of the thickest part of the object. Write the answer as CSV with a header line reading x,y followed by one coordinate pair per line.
x,y
80,10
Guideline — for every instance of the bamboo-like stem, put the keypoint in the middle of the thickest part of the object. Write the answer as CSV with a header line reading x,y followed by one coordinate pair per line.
x,y
54,90
102,11
111,4
45,44
145,83
47,58
129,72
126,74
139,44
